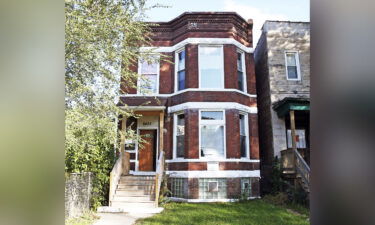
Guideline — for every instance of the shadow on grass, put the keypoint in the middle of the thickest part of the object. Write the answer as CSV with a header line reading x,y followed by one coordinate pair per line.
x,y
249,212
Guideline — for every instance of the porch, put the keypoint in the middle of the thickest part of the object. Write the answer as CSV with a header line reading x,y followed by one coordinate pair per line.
x,y
295,160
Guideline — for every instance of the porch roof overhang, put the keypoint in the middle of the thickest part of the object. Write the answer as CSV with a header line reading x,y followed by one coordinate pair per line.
x,y
285,105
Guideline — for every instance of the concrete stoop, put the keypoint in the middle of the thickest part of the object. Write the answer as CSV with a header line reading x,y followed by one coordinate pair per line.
x,y
134,194
112,209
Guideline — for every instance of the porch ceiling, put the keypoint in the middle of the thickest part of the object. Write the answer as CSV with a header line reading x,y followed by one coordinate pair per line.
x,y
283,107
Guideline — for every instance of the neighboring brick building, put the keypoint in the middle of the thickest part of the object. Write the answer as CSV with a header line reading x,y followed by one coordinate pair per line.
x,y
282,59
201,110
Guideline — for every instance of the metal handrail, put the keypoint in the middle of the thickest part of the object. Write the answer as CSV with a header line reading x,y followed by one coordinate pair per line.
x,y
159,177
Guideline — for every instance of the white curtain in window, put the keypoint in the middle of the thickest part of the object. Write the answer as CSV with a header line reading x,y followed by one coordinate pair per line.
x,y
212,142
211,67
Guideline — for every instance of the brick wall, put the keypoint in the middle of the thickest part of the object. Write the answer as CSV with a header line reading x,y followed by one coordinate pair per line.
x,y
191,134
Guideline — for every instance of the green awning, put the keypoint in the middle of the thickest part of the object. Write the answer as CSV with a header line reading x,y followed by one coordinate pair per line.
x,y
283,107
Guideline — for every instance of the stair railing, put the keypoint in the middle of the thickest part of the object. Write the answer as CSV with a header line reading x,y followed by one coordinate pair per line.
x,y
301,167
159,177
115,176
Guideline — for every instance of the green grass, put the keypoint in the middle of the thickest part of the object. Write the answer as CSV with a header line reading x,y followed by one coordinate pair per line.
x,y
86,219
248,212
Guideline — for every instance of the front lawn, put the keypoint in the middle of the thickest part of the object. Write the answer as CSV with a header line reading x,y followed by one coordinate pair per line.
x,y
248,212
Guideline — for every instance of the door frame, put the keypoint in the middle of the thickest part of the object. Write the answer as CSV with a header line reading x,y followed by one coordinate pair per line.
x,y
136,150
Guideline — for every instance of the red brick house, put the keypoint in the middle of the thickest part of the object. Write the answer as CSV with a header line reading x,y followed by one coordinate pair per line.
x,y
201,110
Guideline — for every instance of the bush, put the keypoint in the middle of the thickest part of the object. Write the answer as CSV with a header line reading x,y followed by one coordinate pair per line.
x,y
279,198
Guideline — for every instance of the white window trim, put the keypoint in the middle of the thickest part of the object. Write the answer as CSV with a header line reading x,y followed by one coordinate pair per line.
x,y
244,70
157,77
246,117
175,135
176,69
297,64
222,122
222,69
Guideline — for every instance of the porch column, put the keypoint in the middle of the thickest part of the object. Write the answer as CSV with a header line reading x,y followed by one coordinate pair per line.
x,y
293,129
125,155
161,131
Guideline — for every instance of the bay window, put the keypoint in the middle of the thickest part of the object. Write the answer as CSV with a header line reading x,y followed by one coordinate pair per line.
x,y
244,138
241,77
148,82
212,134
179,139
211,67
180,70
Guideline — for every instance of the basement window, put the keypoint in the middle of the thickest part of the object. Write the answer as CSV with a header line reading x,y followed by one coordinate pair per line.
x,y
246,187
178,187
212,188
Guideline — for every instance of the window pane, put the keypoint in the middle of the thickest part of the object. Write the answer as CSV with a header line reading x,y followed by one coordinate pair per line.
x,y
148,83
240,80
180,138
212,143
211,67
243,146
242,124
211,115
147,68
181,80
181,60
239,61
292,72
180,146
291,59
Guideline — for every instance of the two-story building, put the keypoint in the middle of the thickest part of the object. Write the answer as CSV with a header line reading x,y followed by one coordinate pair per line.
x,y
282,59
199,107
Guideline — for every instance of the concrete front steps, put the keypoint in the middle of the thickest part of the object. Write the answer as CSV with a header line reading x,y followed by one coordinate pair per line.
x,y
133,194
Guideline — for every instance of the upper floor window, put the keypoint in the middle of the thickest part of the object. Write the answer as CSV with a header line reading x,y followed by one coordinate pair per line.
x,y
211,66
148,82
179,138
180,70
241,77
212,130
292,66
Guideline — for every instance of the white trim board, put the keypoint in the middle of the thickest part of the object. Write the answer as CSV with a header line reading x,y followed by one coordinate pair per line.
x,y
178,160
214,174
211,41
212,105
192,89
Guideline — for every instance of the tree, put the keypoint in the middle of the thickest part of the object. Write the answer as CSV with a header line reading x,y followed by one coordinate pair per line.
x,y
102,39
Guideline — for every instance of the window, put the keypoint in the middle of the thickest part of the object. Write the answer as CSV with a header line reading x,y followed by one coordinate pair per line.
x,y
212,188
246,187
244,139
179,124
211,67
178,187
149,81
241,78
180,68
212,130
300,138
292,66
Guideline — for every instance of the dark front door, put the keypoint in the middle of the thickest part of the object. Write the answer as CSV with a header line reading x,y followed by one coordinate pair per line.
x,y
147,152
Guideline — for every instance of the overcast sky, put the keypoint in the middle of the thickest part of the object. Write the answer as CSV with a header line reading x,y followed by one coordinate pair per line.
x,y
258,10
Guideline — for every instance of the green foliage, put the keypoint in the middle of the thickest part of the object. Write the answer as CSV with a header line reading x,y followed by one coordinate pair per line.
x,y
102,40
247,212
280,198
297,195
276,176
86,219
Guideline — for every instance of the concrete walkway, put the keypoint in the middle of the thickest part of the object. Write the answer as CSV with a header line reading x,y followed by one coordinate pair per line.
x,y
120,218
